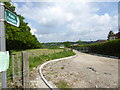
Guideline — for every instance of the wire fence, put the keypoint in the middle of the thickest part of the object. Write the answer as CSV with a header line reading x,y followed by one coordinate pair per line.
x,y
18,72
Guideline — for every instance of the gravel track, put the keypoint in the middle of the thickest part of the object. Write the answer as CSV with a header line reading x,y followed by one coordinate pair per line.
x,y
84,71
36,81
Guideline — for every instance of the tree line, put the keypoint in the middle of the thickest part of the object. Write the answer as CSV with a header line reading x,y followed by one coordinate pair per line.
x,y
19,38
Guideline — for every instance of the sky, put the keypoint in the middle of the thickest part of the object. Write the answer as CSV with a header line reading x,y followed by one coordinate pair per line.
x,y
69,21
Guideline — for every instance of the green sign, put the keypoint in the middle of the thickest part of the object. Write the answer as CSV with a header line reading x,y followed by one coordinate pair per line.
x,y
11,18
4,61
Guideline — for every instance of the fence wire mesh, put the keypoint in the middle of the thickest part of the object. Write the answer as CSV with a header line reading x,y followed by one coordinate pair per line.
x,y
16,73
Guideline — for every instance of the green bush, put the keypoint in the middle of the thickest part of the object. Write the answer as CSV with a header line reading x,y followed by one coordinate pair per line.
x,y
107,48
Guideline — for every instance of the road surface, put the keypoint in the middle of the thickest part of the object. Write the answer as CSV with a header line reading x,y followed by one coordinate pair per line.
x,y
84,71
35,79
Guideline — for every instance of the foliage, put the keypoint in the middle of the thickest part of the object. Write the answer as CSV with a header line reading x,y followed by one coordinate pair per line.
x,y
118,35
111,33
80,42
67,44
19,37
107,48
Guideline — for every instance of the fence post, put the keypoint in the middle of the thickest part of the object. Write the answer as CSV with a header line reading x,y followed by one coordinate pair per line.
x,y
18,63
13,71
25,67
19,83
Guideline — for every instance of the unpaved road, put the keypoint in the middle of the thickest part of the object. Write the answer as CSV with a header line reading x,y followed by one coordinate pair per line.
x,y
84,71
36,81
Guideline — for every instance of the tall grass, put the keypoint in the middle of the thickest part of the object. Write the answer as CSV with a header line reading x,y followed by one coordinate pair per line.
x,y
35,61
31,53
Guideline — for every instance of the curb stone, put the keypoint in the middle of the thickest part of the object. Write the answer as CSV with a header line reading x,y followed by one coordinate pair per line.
x,y
42,66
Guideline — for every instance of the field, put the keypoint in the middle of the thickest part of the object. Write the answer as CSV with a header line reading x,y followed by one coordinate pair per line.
x,y
37,52
37,60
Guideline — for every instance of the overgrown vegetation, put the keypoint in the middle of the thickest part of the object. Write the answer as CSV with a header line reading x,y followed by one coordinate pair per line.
x,y
107,48
33,54
35,61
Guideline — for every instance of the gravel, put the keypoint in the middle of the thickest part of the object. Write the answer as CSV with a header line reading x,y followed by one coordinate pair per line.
x,y
84,71
36,81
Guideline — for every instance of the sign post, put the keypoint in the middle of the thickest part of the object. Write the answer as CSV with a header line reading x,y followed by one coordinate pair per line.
x,y
2,41
11,18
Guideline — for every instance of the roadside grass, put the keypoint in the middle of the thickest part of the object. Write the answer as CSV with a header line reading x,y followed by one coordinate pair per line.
x,y
35,61
31,53
38,56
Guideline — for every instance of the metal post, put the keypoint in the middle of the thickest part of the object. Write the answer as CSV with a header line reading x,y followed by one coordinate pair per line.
x,y
118,32
2,41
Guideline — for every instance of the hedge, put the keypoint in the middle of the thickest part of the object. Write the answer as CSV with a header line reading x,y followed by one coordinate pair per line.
x,y
111,48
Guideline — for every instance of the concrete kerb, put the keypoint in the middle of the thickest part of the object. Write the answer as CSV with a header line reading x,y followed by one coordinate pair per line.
x,y
41,67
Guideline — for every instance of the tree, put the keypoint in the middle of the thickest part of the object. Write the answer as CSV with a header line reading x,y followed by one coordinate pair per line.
x,y
80,42
67,44
111,33
19,37
118,35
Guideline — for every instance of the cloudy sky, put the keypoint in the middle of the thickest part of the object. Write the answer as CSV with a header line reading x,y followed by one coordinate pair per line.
x,y
69,21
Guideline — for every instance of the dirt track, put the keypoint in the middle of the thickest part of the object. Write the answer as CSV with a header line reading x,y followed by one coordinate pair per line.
x,y
84,71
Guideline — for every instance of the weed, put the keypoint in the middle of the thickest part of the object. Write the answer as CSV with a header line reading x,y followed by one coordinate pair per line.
x,y
62,67
62,84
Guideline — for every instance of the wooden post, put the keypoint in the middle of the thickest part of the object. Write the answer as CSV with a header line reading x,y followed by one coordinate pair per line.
x,y
43,53
25,67
18,63
19,83
13,71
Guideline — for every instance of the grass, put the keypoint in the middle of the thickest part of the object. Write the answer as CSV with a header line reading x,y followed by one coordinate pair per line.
x,y
62,84
35,61
31,53
37,52
62,67
36,57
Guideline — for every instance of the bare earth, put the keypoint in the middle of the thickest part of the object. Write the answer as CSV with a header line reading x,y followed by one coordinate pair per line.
x,y
84,71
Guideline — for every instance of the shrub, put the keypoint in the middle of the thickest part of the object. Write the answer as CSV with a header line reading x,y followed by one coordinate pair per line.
x,y
107,48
